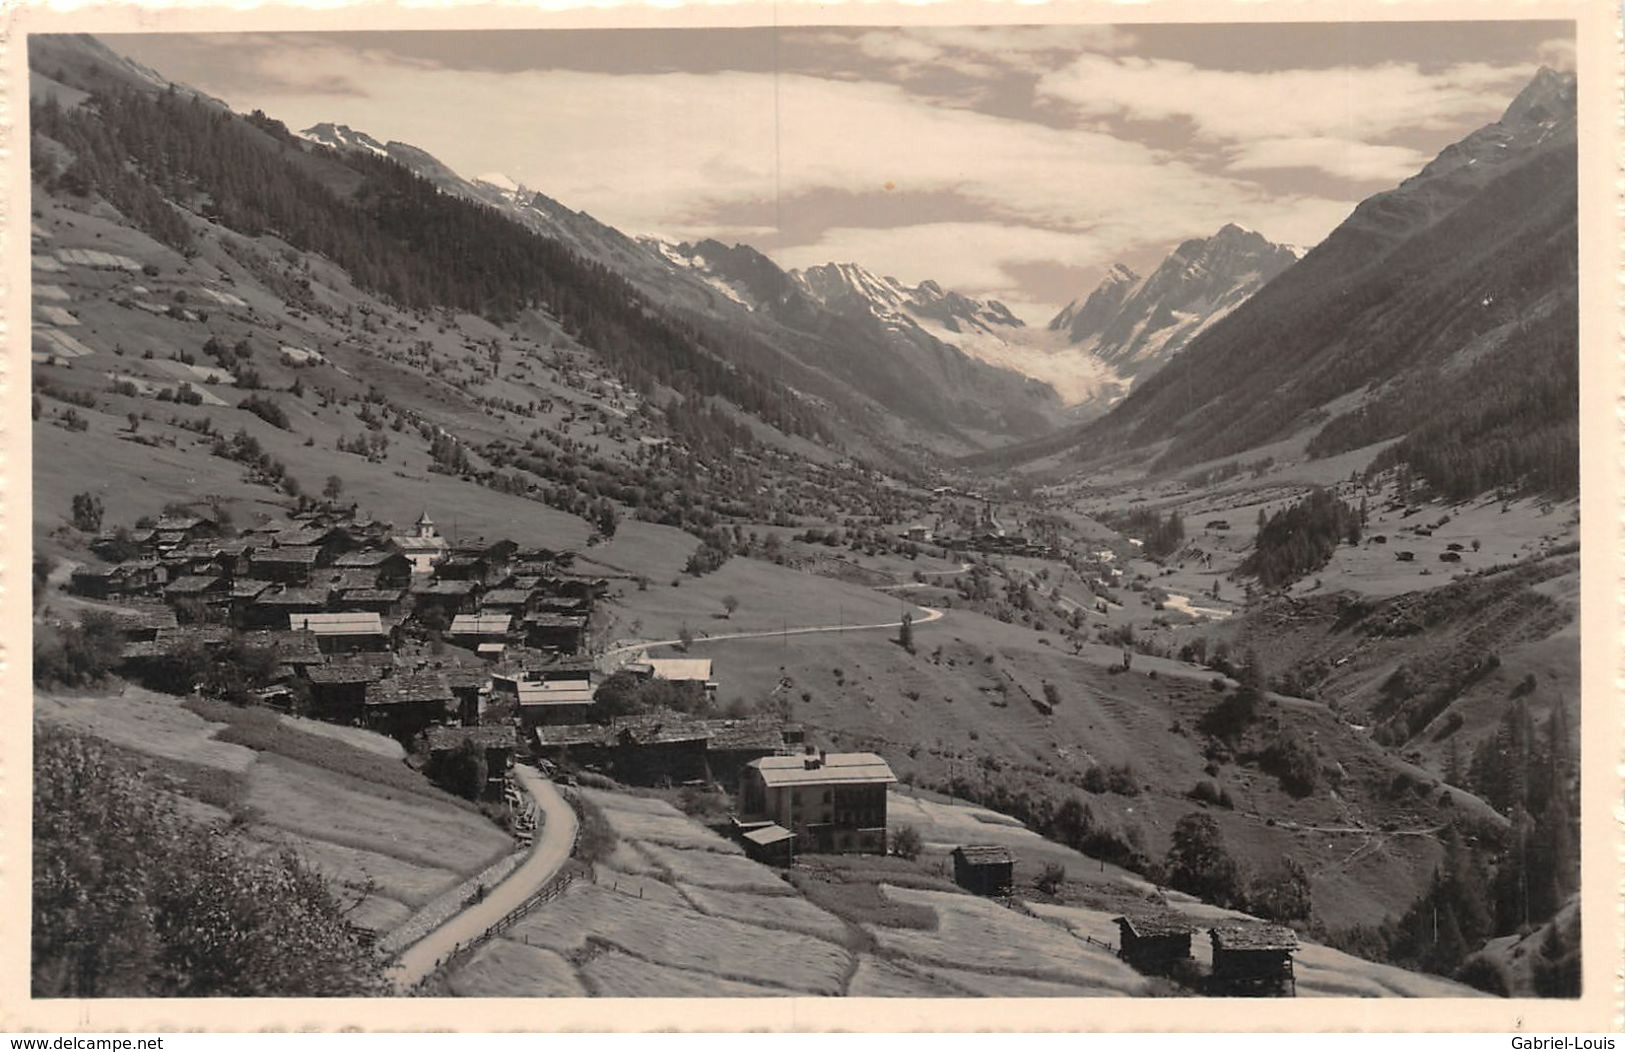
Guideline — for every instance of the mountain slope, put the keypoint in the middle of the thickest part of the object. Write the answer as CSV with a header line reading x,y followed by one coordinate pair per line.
x,y
1462,279
894,384
896,344
1136,325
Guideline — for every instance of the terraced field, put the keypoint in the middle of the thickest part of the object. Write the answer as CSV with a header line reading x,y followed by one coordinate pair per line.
x,y
386,851
676,910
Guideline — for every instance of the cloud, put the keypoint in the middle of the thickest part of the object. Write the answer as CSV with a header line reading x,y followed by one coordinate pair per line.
x,y
1345,158
1557,53
1354,103
977,52
690,155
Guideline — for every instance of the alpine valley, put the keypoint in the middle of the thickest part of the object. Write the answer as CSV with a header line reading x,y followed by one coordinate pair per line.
x,y
1246,589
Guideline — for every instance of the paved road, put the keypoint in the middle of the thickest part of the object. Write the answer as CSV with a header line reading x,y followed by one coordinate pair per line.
x,y
547,855
929,614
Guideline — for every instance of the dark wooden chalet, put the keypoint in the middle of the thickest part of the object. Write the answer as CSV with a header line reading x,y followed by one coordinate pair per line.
x,y
449,597
404,706
172,531
564,633
1253,960
734,743
497,741
507,601
294,650
129,578
202,588
386,602
289,566
985,869
141,622
466,685
338,691
646,749
1154,941
387,567
272,607
329,542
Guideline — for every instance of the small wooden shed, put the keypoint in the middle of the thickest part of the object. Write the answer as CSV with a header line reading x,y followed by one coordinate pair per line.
x,y
1253,960
984,869
1154,941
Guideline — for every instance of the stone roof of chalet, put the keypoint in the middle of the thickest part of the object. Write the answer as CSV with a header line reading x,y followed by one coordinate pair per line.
x,y
203,635
486,736
547,620
506,597
181,522
371,595
411,687
464,678
1254,936
309,535
755,732
293,597
247,588
649,728
291,648
138,616
1155,924
195,550
448,588
564,604
299,555
192,584
368,559
985,854
352,578
341,672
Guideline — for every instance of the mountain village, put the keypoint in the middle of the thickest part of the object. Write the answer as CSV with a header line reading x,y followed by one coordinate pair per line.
x,y
704,628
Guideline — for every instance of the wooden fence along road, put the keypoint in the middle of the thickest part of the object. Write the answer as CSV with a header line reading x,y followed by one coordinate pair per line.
x,y
535,880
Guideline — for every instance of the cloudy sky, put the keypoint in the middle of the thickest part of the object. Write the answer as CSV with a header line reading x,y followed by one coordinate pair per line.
x,y
1008,161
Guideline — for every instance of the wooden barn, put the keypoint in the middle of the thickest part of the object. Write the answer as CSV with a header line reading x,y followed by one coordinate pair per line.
x,y
404,706
497,742
338,691
1154,942
985,869
1253,960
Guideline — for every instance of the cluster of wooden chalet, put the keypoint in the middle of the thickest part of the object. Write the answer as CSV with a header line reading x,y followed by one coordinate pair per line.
x,y
339,600
1249,958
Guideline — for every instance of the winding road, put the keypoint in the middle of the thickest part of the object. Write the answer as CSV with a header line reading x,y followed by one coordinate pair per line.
x,y
547,856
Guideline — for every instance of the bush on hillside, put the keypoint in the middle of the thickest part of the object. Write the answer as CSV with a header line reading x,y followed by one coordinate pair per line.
x,y
131,900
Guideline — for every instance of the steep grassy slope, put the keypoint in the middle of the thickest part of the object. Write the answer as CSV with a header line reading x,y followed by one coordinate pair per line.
x,y
385,838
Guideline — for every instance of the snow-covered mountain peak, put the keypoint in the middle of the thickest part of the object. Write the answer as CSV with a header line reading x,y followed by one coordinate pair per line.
x,y
499,181
343,137
1137,324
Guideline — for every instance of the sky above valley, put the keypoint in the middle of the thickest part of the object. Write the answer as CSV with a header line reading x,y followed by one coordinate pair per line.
x,y
1011,162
